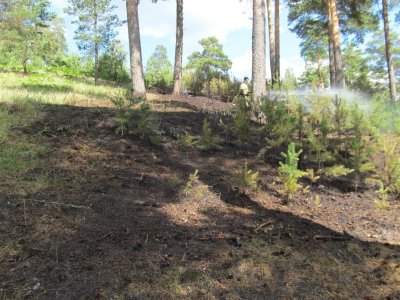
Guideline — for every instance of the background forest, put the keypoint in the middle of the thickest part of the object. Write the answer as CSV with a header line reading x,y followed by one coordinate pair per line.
x,y
33,40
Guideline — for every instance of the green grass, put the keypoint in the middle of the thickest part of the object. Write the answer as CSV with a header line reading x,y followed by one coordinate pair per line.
x,y
18,152
20,99
52,89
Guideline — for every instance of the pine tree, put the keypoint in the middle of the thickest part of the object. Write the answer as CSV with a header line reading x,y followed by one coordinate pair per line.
x,y
258,51
29,33
96,27
178,48
135,47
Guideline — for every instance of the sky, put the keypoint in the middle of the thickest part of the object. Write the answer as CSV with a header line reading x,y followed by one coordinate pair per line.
x,y
228,20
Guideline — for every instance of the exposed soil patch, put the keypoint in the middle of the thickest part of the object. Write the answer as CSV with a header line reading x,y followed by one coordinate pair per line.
x,y
117,222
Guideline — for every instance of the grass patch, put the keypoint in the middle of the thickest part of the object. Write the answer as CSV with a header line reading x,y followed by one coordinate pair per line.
x,y
52,89
18,152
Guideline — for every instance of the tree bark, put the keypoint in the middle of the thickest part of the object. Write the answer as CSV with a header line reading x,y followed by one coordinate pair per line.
x,y
258,50
332,71
388,48
277,44
178,48
135,48
339,73
271,41
96,44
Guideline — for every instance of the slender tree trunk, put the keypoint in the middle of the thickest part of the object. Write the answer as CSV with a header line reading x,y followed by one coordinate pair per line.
x,y
388,48
258,51
96,44
320,74
135,48
178,48
277,44
271,41
25,66
339,80
332,71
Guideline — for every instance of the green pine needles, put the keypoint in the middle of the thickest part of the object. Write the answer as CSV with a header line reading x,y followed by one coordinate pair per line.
x,y
207,141
124,104
290,173
247,178
383,197
139,121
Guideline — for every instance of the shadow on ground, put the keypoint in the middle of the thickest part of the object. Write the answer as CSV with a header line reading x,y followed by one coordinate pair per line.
x,y
116,223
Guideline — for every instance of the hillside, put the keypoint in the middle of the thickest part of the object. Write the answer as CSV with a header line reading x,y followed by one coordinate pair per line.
x,y
89,214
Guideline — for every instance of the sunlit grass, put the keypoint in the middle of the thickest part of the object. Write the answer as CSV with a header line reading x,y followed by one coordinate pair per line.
x,y
52,89
18,152
21,169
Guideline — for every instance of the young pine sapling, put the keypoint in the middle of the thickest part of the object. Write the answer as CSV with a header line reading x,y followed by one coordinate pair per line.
x,y
290,173
247,178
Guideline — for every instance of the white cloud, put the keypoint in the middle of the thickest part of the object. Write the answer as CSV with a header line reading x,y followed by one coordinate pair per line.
x,y
157,19
201,19
58,5
241,65
295,63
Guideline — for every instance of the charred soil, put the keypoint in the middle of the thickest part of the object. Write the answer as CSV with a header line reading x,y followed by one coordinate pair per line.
x,y
116,221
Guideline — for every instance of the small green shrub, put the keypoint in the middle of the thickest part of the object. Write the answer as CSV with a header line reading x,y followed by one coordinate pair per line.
x,y
206,140
280,125
193,185
137,121
317,202
225,128
124,103
382,201
360,145
318,142
241,119
290,173
312,176
146,124
247,178
391,160
188,140
192,180
340,119
336,171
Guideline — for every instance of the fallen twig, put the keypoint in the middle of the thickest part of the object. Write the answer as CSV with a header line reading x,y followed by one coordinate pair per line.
x,y
103,237
212,237
330,238
269,222
59,203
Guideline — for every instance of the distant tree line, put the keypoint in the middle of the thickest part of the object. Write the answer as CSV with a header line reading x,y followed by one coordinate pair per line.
x,y
344,44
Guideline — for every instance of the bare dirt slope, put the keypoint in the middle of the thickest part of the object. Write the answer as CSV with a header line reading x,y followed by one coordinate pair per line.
x,y
117,223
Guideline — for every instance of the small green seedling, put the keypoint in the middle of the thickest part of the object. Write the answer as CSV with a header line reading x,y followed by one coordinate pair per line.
x,y
382,201
247,178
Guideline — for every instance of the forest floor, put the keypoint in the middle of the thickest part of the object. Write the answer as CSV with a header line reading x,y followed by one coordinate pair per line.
x,y
111,218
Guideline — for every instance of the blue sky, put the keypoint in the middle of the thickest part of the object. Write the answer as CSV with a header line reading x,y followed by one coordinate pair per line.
x,y
228,20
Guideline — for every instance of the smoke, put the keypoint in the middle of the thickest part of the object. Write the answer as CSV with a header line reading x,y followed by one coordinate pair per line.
x,y
305,96
384,114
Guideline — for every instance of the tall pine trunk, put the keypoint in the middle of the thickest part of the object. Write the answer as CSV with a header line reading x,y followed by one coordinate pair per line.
x,y
277,44
332,71
135,48
335,36
96,43
271,41
388,48
178,48
258,50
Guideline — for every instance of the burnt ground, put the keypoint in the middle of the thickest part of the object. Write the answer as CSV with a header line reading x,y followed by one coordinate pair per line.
x,y
115,221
